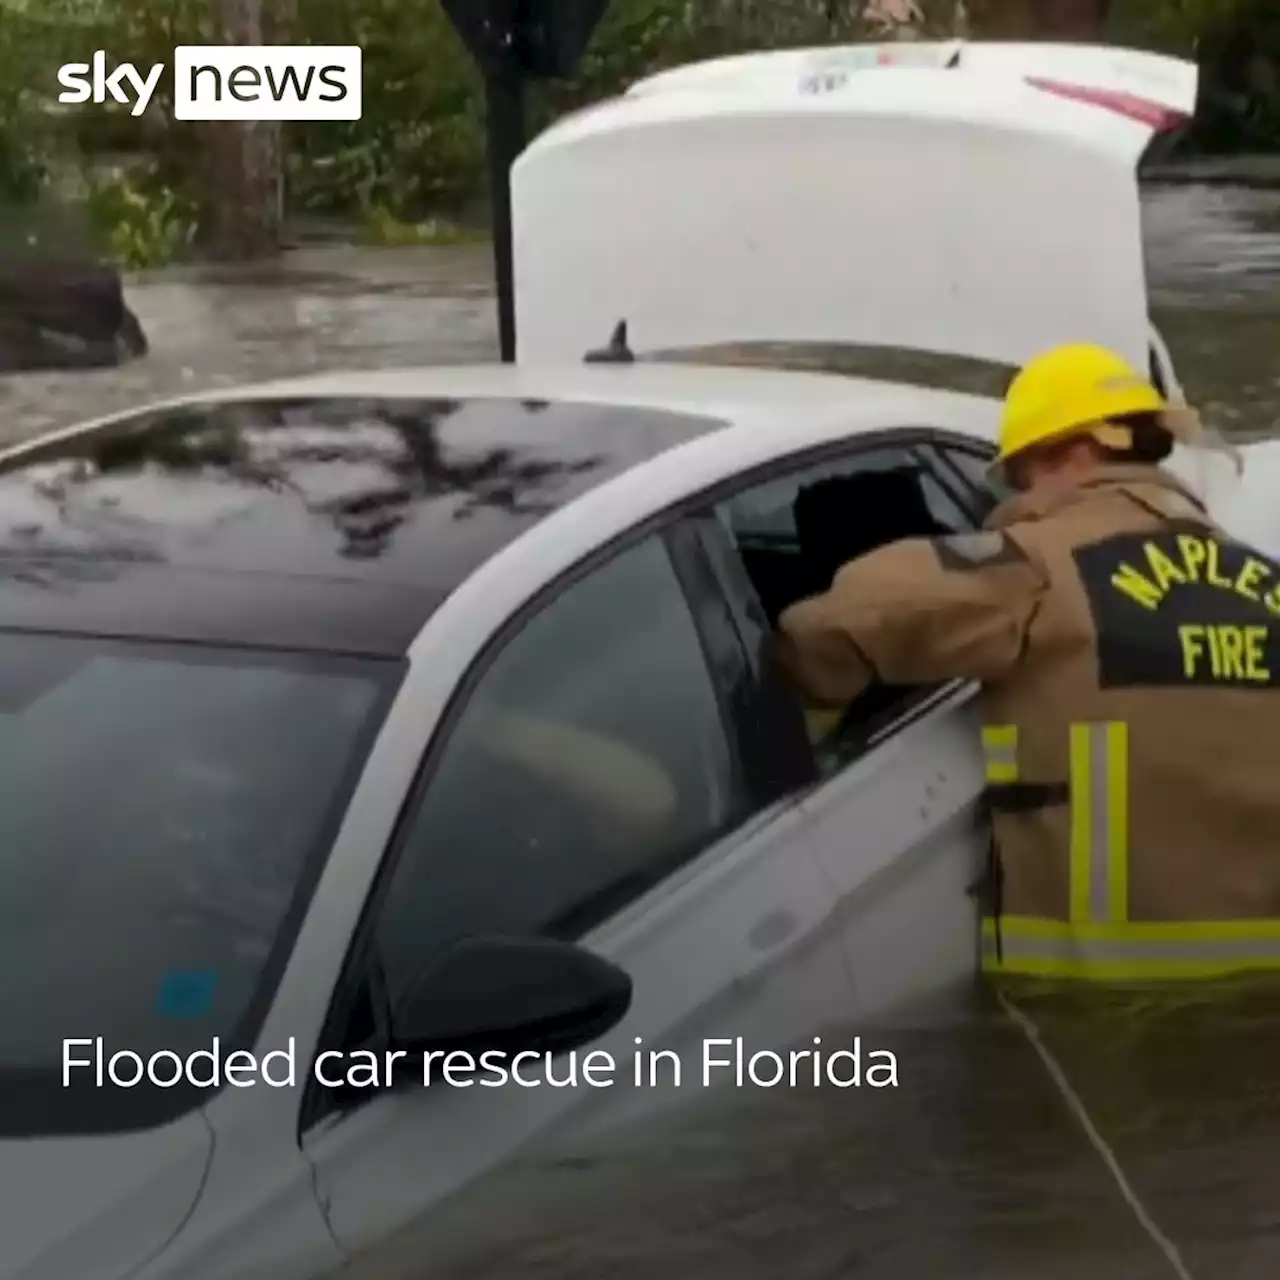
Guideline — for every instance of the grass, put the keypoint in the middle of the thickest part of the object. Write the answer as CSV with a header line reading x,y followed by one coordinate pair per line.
x,y
381,227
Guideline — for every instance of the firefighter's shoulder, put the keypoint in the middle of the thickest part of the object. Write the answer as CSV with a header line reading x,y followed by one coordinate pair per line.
x,y
981,549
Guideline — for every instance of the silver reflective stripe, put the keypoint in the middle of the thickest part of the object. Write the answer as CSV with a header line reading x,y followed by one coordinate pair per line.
x,y
1099,823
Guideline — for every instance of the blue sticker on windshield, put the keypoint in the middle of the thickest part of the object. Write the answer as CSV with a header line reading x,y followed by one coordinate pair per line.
x,y
187,993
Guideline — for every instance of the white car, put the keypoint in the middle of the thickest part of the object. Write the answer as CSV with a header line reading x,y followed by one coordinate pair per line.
x,y
433,710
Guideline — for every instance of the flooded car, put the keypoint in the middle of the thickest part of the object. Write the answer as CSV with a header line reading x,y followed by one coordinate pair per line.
x,y
430,713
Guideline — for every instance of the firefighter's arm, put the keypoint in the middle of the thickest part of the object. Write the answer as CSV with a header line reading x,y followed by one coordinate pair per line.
x,y
914,612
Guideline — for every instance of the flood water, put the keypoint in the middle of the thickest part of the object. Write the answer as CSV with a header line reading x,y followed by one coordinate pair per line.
x,y
979,1165
1214,264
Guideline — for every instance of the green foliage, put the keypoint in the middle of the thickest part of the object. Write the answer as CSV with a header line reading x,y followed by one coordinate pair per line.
x,y
142,225
382,227
419,144
638,37
26,131
411,170
143,32
1237,46
1171,26
45,147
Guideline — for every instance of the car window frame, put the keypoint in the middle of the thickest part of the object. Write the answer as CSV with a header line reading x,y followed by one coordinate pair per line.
x,y
700,592
680,528
930,445
981,452
773,751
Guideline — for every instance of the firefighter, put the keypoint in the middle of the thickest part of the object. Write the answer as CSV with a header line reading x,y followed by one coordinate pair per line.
x,y
1129,657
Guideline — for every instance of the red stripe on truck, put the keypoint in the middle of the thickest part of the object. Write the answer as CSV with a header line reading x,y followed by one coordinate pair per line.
x,y
1159,118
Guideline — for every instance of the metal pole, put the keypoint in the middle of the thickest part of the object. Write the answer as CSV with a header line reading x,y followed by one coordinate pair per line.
x,y
504,93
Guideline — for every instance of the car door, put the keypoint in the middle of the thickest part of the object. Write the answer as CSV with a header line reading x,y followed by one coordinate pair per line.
x,y
896,817
612,772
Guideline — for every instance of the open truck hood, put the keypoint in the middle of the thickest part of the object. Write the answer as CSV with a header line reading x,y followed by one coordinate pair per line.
x,y
973,200
1149,86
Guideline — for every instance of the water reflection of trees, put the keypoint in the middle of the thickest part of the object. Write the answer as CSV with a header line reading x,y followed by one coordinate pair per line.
x,y
79,549
61,570
414,451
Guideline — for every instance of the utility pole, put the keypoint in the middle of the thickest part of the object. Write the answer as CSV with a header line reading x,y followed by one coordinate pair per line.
x,y
513,42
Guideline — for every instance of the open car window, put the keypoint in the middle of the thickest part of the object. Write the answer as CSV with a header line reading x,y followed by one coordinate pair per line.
x,y
968,469
791,531
765,516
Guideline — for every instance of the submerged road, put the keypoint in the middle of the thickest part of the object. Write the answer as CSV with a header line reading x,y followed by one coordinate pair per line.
x,y
1123,1139
1103,1139
1214,263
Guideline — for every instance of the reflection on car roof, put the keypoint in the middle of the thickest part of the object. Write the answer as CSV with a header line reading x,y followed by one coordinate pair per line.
x,y
329,523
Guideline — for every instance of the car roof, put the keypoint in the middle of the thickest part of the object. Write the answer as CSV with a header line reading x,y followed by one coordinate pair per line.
x,y
735,392
336,512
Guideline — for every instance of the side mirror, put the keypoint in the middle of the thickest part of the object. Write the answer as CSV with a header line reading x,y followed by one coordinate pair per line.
x,y
511,995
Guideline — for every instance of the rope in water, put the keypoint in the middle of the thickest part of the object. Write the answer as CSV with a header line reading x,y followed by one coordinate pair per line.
x,y
1096,1140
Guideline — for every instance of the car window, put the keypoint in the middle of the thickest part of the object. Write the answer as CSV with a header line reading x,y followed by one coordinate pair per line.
x,y
973,470
590,759
766,512
763,514
942,503
792,532
164,812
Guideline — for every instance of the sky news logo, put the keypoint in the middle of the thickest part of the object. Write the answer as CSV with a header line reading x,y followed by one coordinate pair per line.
x,y
229,82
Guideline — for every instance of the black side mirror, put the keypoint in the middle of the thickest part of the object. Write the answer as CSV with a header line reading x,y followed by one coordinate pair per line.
x,y
511,995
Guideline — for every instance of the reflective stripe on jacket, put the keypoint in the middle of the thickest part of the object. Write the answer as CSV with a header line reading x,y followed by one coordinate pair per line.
x,y
1098,940
1129,654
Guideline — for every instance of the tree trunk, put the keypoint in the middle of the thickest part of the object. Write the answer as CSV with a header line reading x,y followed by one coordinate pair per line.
x,y
244,209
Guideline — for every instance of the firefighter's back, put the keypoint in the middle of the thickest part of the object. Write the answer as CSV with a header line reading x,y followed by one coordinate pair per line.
x,y
1142,731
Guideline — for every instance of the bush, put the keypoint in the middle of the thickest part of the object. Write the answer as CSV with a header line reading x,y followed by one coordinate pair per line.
x,y
416,157
143,224
419,146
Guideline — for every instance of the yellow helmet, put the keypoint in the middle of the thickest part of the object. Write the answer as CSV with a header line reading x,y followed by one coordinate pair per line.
x,y
1082,388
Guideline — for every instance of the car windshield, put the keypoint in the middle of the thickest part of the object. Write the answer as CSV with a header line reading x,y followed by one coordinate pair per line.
x,y
164,814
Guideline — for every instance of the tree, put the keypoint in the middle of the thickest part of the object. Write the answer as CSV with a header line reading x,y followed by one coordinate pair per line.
x,y
245,201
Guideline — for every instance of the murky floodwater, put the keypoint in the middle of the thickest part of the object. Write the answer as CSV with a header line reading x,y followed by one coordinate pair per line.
x,y
977,1166
325,308
1215,275
1214,266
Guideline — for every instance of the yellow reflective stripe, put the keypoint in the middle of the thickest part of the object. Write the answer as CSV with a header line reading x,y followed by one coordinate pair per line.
x,y
1000,747
1125,971
1193,950
1099,854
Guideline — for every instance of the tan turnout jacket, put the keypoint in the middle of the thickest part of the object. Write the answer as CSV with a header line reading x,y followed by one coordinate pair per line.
x,y
1129,653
